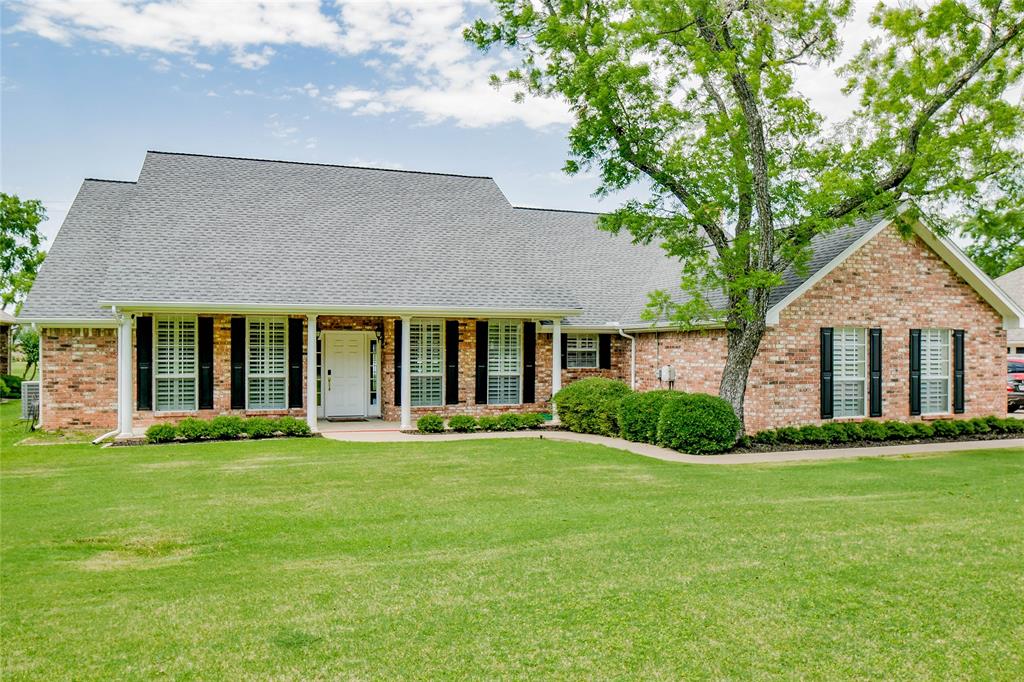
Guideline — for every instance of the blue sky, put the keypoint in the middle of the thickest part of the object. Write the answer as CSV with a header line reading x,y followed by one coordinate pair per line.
x,y
88,86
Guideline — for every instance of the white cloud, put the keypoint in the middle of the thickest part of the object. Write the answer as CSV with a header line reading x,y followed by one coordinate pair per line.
x,y
162,65
253,60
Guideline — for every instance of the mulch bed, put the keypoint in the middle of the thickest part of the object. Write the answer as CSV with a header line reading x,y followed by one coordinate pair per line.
x,y
789,447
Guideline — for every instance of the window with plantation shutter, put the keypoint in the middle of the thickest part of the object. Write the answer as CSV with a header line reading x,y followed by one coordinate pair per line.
x,y
504,362
849,371
267,366
426,362
581,351
176,366
935,368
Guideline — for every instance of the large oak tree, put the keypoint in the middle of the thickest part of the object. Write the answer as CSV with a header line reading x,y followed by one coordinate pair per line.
x,y
699,100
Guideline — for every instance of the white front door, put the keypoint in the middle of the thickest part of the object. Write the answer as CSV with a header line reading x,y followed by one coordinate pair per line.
x,y
345,365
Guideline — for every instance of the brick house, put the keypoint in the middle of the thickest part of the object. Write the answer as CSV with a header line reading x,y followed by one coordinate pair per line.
x,y
216,285
6,342
1013,284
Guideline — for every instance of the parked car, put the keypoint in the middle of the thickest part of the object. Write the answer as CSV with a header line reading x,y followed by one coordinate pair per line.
x,y
1015,383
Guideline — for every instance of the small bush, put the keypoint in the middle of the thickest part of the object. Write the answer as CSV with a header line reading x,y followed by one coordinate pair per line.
x,y
923,430
1011,425
767,437
698,423
11,386
854,432
487,423
508,422
531,420
946,428
836,432
161,433
897,430
259,427
462,423
980,426
430,423
789,435
192,429
639,414
293,426
813,435
226,427
874,431
591,405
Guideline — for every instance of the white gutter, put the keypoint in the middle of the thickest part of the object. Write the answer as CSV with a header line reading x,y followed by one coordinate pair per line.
x,y
632,356
376,310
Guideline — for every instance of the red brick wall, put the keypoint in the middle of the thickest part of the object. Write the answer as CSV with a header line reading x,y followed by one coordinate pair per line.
x,y
5,349
891,283
79,383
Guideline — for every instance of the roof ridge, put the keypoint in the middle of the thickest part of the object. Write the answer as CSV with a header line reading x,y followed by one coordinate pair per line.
x,y
120,182
557,210
327,165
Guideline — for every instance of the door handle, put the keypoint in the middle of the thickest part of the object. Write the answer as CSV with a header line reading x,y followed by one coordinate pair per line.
x,y
328,383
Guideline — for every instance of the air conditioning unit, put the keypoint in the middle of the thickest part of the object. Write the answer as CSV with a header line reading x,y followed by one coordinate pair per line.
x,y
30,400
667,373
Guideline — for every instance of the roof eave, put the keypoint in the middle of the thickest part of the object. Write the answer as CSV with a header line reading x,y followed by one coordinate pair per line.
x,y
306,309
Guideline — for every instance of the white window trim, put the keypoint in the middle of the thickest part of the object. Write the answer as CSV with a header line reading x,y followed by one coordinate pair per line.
x,y
248,365
948,377
156,364
862,379
441,372
572,338
519,365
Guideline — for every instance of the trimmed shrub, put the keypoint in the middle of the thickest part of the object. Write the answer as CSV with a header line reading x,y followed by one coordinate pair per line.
x,y
430,423
945,428
965,427
854,432
789,435
591,405
226,427
836,432
487,423
161,433
923,430
293,426
462,423
874,431
980,426
11,386
191,428
767,437
639,414
508,422
698,423
897,430
259,427
531,420
1011,425
813,435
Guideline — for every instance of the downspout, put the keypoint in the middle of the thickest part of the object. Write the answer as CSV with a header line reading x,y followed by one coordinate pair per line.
x,y
632,358
111,434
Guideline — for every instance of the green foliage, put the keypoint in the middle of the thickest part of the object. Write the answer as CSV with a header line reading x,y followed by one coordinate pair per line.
x,y
508,422
767,437
3,388
639,414
838,432
293,427
161,433
874,431
698,423
20,246
11,386
27,341
945,428
923,430
897,430
463,423
789,435
591,405
430,423
488,423
531,420
192,429
226,427
813,435
259,427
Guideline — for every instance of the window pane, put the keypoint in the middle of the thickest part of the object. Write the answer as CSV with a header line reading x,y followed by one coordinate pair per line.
x,y
175,367
426,390
267,366
581,351
502,390
426,362
849,371
935,370
503,362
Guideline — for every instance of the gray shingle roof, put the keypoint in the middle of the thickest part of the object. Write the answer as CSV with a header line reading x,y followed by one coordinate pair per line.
x,y
1013,284
228,231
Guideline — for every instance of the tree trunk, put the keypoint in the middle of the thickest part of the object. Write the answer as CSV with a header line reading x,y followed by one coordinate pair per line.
x,y
743,342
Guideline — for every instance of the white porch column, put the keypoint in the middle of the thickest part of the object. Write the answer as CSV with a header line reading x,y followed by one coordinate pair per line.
x,y
311,411
124,377
406,380
556,365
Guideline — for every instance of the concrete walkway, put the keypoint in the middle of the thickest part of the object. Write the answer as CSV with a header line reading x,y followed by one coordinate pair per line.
x,y
380,435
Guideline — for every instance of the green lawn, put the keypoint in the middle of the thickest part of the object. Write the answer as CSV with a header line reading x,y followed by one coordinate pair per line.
x,y
317,559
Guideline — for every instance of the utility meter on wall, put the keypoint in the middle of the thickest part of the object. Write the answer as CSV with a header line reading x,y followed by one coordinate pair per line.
x,y
667,373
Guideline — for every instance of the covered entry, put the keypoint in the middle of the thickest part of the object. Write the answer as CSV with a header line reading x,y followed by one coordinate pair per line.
x,y
350,374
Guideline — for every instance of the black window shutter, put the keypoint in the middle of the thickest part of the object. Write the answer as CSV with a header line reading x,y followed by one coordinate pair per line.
x,y
451,362
529,362
144,362
958,371
398,363
826,373
205,337
915,371
565,350
481,362
604,351
237,363
876,373
294,362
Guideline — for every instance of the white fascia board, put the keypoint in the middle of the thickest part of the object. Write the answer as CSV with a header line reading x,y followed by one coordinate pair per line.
x,y
376,311
67,322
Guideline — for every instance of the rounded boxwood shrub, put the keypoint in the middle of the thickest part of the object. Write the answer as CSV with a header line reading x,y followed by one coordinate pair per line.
x,y
813,435
226,427
294,427
259,427
487,423
923,430
897,430
874,431
508,422
11,386
591,405
789,435
430,423
531,420
767,437
161,433
462,423
945,428
836,432
639,414
980,426
1011,425
192,429
698,423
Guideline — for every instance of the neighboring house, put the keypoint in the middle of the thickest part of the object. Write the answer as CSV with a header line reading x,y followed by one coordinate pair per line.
x,y
1013,284
218,285
6,342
